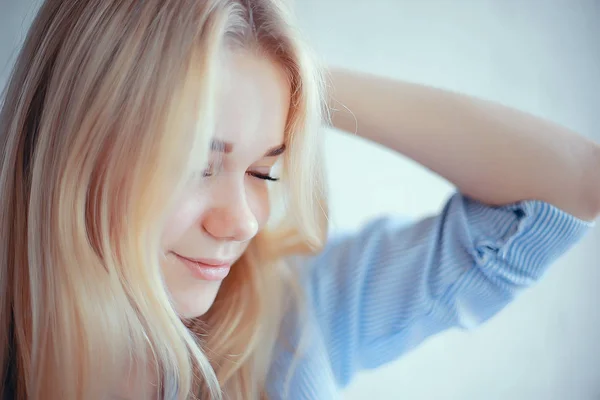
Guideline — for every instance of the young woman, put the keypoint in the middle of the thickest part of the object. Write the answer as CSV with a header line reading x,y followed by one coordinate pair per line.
x,y
140,143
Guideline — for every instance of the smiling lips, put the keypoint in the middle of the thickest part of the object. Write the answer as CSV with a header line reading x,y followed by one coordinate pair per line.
x,y
206,269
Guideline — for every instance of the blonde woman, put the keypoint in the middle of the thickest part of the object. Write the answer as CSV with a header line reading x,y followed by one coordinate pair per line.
x,y
164,215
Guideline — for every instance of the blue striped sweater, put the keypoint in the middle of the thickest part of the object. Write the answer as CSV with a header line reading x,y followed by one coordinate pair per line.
x,y
377,293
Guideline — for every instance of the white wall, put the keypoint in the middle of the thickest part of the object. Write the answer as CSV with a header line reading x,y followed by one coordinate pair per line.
x,y
541,56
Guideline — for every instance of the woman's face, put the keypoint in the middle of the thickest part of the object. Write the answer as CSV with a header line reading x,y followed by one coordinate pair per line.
x,y
219,214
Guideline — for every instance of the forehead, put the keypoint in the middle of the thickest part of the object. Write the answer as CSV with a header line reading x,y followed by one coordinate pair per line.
x,y
253,99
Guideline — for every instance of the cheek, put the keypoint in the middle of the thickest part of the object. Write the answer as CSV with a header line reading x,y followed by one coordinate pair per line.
x,y
258,199
185,213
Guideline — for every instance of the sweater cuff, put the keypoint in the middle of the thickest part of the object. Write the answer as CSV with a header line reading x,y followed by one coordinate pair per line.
x,y
520,240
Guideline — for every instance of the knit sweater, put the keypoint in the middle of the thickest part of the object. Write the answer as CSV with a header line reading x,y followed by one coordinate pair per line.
x,y
376,293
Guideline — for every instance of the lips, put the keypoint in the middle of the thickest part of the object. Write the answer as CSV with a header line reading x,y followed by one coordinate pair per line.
x,y
207,269
211,262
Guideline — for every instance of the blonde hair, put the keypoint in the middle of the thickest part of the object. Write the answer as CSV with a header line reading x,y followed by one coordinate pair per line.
x,y
108,101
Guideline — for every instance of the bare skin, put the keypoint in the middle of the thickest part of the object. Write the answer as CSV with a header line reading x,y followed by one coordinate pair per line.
x,y
492,153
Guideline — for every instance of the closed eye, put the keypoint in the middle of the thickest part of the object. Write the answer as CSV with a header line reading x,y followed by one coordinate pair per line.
x,y
264,177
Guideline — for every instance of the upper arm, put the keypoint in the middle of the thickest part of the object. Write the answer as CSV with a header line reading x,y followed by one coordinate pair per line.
x,y
378,292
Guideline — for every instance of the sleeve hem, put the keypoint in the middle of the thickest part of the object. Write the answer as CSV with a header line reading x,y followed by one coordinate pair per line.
x,y
520,240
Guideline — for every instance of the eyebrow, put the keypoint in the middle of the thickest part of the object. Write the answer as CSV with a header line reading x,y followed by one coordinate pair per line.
x,y
221,146
226,147
275,151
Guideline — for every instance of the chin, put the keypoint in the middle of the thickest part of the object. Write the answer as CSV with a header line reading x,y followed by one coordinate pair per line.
x,y
195,302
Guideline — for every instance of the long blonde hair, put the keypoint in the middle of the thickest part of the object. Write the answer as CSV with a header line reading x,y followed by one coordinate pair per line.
x,y
108,101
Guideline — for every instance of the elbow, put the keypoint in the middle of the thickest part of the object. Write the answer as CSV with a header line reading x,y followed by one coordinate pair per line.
x,y
582,200
581,195
592,212
592,184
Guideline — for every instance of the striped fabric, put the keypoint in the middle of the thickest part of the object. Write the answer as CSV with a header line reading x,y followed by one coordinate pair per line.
x,y
377,293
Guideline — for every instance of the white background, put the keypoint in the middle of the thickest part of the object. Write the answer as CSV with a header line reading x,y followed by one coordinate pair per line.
x,y
542,56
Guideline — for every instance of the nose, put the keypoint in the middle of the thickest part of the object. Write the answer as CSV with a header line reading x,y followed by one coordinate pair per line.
x,y
232,219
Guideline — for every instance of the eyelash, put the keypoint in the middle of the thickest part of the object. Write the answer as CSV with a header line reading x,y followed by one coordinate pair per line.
x,y
207,174
263,177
